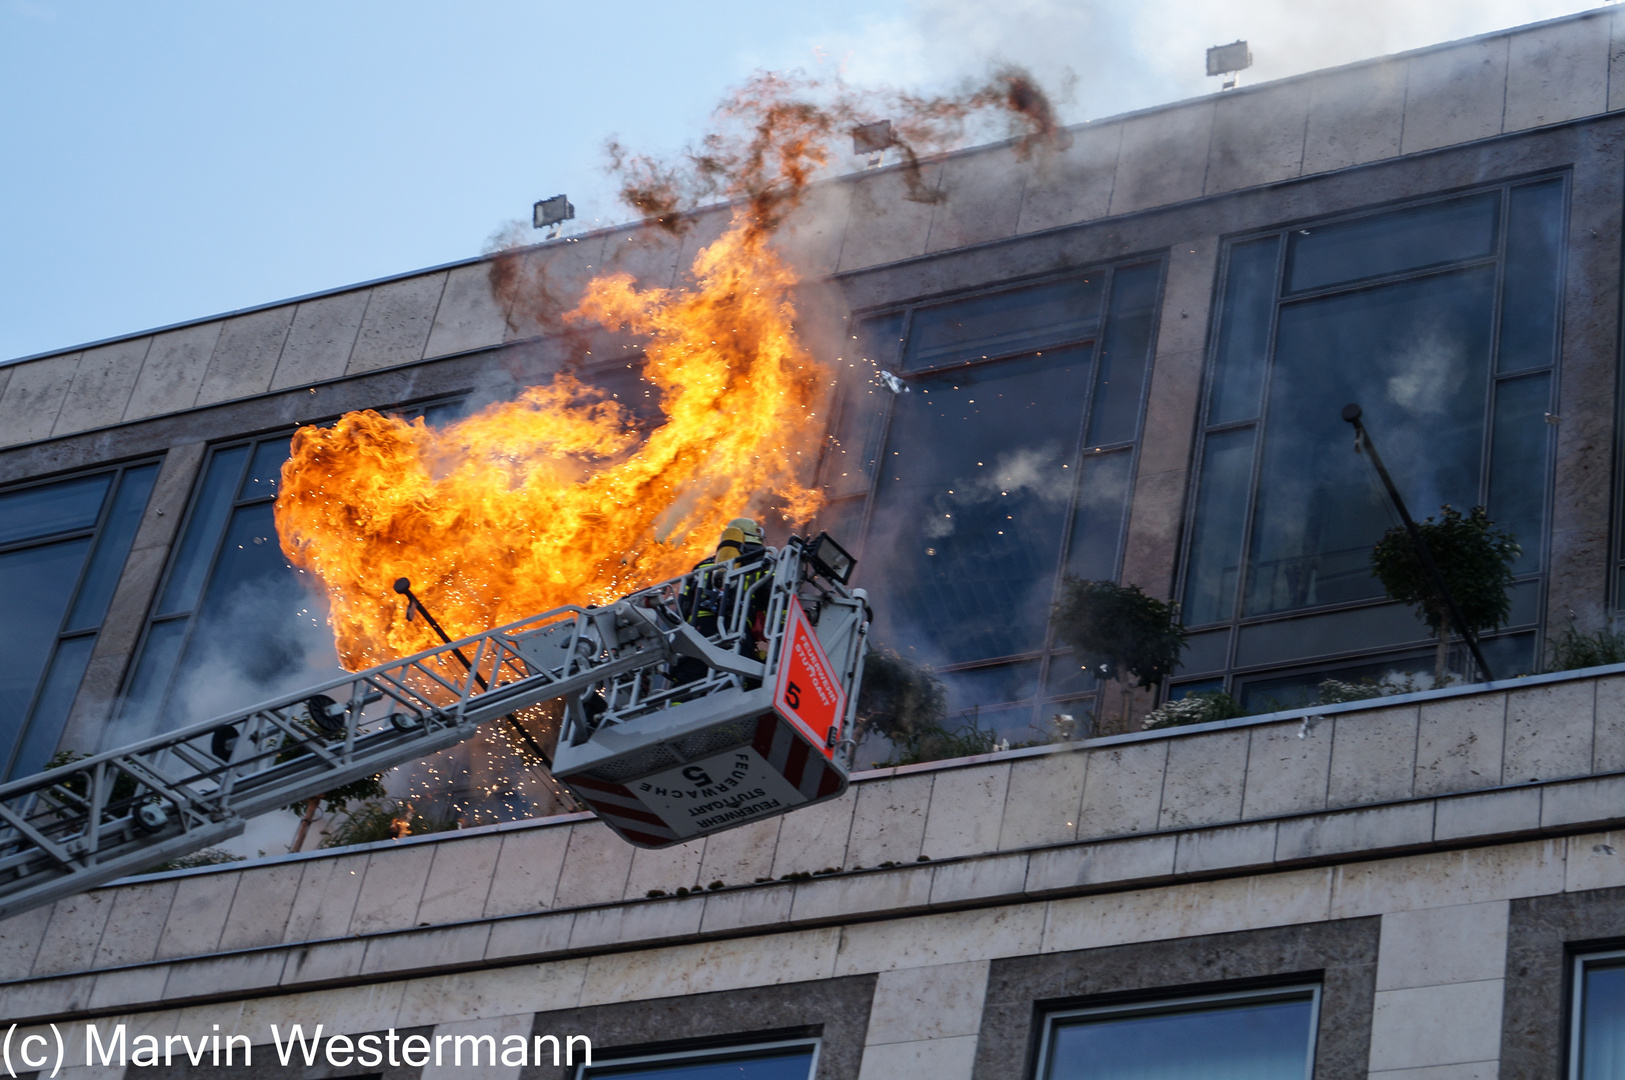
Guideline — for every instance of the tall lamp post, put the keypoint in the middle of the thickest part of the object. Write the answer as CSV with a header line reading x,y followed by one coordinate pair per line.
x,y
1362,439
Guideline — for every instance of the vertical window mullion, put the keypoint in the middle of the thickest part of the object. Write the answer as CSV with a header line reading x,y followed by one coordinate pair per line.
x,y
1244,571
146,691
1081,449
882,434
66,647
1492,387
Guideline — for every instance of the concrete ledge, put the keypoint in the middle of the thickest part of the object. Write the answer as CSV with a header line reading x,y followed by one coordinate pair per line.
x,y
1359,834
1292,788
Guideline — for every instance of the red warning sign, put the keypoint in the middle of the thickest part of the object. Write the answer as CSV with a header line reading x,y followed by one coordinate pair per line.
x,y
807,691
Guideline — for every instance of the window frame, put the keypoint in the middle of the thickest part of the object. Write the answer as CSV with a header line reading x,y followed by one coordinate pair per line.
x,y
1576,1003
1233,673
891,358
699,1054
1164,1005
94,533
152,617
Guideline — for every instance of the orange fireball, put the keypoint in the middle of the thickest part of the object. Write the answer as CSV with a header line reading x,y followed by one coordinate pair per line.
x,y
554,498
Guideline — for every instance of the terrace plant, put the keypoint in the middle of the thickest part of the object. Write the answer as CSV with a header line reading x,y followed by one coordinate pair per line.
x,y
1475,561
1115,629
1119,633
901,699
1572,650
1202,707
383,819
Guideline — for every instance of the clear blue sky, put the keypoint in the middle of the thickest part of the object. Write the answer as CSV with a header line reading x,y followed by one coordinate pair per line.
x,y
169,160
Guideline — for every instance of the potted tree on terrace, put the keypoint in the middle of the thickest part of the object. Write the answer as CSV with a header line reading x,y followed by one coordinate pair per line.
x,y
1475,561
1119,633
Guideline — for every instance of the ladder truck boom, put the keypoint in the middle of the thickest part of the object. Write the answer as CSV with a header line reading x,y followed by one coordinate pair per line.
x,y
691,706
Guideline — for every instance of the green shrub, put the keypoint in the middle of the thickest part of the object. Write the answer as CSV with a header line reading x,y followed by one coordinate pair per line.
x,y
387,819
212,856
1202,707
899,698
1115,629
1571,649
1336,691
1474,560
937,743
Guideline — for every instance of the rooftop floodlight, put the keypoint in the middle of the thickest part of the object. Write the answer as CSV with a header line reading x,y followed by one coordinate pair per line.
x,y
830,559
872,139
552,213
1228,60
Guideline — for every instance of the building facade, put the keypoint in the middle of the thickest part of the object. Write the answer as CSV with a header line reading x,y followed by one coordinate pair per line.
x,y
1120,359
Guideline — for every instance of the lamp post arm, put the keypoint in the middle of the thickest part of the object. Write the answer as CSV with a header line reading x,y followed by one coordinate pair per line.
x,y
1352,414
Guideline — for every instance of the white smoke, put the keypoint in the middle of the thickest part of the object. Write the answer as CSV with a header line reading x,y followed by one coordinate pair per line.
x,y
1105,58
1033,471
1429,376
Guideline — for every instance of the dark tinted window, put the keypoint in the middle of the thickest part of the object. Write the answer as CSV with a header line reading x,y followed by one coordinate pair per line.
x,y
1442,325
1000,471
1416,357
235,623
1601,1051
975,486
65,547
1391,243
1003,323
790,1064
1269,1040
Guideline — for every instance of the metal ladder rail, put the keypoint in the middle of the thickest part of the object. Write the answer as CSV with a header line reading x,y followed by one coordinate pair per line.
x,y
71,828
100,818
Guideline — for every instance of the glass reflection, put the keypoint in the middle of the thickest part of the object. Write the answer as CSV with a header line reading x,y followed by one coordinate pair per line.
x,y
1124,354
1602,1023
1518,453
975,486
789,1065
1244,332
1415,355
1431,235
37,584
1533,275
1004,323
259,631
1266,1041
112,548
1221,516
50,509
1097,523
209,513
237,623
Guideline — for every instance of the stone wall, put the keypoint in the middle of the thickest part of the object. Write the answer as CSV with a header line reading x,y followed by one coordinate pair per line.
x,y
1314,124
1430,813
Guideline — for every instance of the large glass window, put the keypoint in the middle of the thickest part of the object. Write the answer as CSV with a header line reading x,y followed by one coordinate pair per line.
x,y
1440,320
770,1061
1597,1042
999,458
234,623
62,548
1261,1035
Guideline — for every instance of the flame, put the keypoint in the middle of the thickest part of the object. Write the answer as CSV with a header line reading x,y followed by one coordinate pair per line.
x,y
557,498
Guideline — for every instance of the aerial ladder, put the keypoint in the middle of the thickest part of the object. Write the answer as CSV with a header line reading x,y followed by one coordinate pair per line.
x,y
673,727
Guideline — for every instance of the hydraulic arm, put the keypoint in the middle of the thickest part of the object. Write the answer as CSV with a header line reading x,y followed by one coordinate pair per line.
x,y
649,688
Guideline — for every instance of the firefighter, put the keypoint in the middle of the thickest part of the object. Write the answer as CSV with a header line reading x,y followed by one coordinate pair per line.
x,y
748,542
748,546
742,537
702,600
